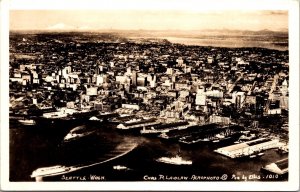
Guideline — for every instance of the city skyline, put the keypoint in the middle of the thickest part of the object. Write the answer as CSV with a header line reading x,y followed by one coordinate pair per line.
x,y
72,20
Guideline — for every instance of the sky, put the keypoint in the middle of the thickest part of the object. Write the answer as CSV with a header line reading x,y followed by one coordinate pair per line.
x,y
147,19
148,14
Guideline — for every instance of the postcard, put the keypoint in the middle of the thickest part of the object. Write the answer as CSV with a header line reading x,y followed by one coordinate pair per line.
x,y
150,95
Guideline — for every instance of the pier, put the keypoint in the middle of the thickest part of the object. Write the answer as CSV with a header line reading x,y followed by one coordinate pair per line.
x,y
279,167
248,148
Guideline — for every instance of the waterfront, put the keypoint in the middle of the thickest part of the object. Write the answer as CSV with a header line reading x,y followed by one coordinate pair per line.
x,y
226,41
33,148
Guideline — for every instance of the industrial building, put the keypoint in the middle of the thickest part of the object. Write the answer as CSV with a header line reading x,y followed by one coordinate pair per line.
x,y
248,148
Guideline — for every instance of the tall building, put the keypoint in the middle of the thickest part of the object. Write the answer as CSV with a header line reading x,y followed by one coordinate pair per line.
x,y
170,71
179,61
141,81
284,89
129,70
210,60
200,97
134,78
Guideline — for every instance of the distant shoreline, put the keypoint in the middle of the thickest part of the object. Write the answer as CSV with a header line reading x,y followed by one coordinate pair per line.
x,y
229,38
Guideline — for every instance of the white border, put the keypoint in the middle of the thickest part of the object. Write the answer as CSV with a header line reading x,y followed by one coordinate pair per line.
x,y
189,5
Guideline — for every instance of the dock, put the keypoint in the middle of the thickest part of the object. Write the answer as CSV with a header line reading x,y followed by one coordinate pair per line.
x,y
279,167
248,148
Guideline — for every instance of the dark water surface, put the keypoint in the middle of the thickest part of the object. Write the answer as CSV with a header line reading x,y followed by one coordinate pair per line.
x,y
32,148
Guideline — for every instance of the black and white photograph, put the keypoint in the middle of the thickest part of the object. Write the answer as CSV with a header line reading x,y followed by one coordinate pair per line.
x,y
142,92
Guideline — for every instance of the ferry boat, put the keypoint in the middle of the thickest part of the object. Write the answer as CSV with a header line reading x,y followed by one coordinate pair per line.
x,y
163,128
177,160
51,171
78,132
27,122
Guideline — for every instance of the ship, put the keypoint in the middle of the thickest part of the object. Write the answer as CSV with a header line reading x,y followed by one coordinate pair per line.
x,y
79,132
135,125
27,122
177,160
52,171
163,128
103,117
95,121
212,133
107,115
94,118
191,131
120,118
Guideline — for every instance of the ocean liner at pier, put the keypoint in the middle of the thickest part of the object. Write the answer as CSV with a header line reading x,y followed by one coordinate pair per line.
x,y
162,128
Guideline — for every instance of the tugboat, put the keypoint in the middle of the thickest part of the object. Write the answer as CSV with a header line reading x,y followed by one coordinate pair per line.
x,y
177,160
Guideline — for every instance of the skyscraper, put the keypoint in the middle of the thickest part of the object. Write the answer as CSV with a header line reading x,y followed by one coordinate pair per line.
x,y
134,78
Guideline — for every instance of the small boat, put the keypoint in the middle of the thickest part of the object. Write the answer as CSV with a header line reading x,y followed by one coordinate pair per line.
x,y
177,160
256,155
120,167
205,139
260,154
27,121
